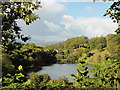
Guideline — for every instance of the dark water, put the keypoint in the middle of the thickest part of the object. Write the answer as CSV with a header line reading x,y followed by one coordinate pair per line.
x,y
58,70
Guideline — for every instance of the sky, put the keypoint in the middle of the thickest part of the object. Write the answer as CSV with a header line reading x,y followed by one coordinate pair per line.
x,y
62,20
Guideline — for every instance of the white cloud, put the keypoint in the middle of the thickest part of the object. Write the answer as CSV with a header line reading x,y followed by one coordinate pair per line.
x,y
51,11
90,26
67,17
51,25
94,32
89,8
52,6
57,25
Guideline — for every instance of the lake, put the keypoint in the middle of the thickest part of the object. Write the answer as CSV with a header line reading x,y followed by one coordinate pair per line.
x,y
58,70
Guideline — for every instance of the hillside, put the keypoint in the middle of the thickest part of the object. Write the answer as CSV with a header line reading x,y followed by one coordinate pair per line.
x,y
96,49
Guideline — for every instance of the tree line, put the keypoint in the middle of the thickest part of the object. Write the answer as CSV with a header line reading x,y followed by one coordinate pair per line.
x,y
97,48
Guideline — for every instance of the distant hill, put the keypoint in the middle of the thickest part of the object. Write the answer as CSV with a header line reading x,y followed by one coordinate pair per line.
x,y
43,43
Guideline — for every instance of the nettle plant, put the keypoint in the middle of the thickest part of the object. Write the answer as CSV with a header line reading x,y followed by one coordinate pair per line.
x,y
14,81
104,74
82,78
107,74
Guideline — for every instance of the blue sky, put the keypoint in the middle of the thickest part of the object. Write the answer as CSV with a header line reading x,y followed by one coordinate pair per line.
x,y
86,9
62,20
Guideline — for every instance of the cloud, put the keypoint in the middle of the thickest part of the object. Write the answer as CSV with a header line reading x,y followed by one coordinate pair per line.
x,y
67,17
57,25
52,6
91,27
52,26
51,11
89,8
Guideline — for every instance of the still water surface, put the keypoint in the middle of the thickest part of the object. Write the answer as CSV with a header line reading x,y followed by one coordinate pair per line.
x,y
58,70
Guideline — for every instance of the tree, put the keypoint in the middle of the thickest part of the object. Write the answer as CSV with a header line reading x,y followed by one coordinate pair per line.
x,y
109,37
114,13
13,11
99,47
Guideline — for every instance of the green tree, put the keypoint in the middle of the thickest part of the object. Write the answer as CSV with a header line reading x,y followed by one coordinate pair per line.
x,y
114,14
111,47
11,12
93,42
99,47
7,65
37,81
109,37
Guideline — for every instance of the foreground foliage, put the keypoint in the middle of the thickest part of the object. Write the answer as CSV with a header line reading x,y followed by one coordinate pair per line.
x,y
103,75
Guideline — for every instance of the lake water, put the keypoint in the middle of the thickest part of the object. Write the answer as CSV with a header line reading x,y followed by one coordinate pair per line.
x,y
58,70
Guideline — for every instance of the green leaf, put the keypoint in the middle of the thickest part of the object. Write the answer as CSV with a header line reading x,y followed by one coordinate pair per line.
x,y
20,68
